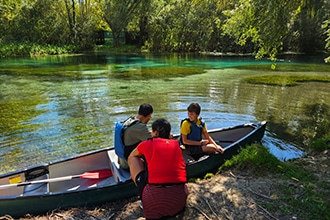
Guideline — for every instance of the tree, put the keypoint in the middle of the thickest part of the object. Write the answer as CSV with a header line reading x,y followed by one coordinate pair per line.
x,y
264,22
37,22
184,25
83,18
71,15
56,22
265,27
9,10
118,13
306,33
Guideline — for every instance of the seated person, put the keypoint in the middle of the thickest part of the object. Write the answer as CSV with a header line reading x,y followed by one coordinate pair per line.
x,y
191,132
163,191
136,133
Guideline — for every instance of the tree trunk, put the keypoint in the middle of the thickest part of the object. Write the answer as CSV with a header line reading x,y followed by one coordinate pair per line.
x,y
115,33
116,38
143,30
71,19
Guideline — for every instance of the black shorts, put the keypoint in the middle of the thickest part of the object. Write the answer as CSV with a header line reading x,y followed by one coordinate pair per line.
x,y
141,181
194,151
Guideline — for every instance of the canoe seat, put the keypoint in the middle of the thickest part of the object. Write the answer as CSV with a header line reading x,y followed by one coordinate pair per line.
x,y
118,173
38,188
83,184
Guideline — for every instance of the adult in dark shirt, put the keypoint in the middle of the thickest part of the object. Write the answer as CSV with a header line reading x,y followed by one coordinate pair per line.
x,y
136,133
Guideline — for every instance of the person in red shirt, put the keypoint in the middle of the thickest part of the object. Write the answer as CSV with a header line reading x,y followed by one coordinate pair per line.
x,y
161,175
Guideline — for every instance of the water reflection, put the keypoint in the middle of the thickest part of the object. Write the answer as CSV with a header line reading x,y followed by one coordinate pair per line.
x,y
283,150
48,117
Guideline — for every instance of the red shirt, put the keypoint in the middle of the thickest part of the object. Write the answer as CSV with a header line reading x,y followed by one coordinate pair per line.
x,y
164,160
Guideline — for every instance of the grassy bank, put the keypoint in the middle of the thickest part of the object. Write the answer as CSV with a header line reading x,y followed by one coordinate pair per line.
x,y
300,188
29,49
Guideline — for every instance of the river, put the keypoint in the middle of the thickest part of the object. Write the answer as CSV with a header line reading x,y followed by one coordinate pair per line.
x,y
60,106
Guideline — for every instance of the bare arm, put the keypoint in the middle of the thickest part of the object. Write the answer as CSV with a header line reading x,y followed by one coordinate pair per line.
x,y
211,141
209,138
135,164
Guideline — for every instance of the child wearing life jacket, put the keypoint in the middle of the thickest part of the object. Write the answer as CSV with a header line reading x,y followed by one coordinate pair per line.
x,y
191,132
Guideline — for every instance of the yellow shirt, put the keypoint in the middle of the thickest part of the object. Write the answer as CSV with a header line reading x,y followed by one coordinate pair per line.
x,y
186,126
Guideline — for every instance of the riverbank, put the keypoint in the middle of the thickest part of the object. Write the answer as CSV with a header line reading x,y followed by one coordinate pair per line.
x,y
11,50
237,193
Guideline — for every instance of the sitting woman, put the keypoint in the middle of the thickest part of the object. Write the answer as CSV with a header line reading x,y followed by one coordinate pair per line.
x,y
163,190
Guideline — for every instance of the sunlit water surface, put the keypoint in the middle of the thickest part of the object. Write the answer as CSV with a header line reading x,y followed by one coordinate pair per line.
x,y
49,117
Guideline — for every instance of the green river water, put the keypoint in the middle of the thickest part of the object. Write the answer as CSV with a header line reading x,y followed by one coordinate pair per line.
x,y
60,106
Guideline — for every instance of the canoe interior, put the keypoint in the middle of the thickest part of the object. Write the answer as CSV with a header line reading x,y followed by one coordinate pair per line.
x,y
91,162
232,140
228,137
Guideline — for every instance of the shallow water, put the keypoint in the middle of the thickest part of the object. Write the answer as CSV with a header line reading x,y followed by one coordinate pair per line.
x,y
52,113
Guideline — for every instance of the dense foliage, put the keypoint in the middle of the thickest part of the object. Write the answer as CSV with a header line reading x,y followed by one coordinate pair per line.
x,y
261,27
35,49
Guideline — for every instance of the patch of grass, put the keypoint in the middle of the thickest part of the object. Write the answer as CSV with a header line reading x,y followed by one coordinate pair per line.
x,y
305,200
13,113
208,175
123,49
320,144
118,71
327,60
289,67
286,80
31,49
255,158
157,73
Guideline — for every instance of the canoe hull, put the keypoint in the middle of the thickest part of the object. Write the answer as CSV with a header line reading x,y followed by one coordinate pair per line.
x,y
38,199
42,204
212,162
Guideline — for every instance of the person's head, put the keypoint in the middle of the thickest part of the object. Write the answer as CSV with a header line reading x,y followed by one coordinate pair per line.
x,y
161,128
145,111
194,109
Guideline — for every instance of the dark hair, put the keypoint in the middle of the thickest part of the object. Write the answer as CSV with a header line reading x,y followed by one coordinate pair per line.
x,y
194,107
145,109
163,127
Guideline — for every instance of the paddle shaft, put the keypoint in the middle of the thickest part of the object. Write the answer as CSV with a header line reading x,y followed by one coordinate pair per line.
x,y
58,179
89,175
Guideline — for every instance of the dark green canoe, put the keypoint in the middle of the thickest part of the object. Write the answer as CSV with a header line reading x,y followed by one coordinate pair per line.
x,y
95,178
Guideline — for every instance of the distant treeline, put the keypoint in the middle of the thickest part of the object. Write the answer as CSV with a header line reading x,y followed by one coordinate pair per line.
x,y
261,27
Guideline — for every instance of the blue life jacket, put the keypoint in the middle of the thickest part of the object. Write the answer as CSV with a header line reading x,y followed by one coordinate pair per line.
x,y
119,134
196,131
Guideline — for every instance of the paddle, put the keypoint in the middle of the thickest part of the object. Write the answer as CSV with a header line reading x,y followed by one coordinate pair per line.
x,y
96,174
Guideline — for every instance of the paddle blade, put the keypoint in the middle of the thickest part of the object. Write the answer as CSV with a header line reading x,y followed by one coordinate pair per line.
x,y
96,174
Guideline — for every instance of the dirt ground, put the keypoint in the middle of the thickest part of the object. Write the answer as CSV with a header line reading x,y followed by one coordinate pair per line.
x,y
233,194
